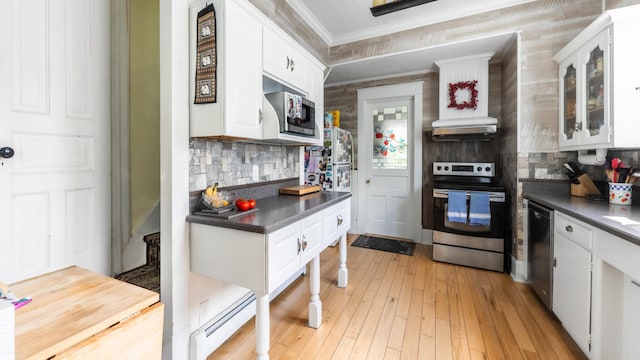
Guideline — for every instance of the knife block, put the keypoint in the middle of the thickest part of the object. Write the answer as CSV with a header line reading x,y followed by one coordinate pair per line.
x,y
586,187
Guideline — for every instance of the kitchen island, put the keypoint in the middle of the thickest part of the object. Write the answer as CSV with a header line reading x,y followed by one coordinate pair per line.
x,y
262,249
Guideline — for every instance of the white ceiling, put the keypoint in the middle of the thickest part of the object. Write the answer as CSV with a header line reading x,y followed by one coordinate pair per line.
x,y
344,21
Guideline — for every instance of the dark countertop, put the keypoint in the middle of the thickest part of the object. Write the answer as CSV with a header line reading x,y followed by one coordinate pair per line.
x,y
620,220
275,212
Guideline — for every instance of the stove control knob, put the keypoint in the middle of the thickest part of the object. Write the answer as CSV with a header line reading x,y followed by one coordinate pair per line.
x,y
439,167
487,169
479,169
446,168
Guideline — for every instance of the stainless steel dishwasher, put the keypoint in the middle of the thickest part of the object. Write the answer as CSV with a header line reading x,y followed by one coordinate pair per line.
x,y
540,229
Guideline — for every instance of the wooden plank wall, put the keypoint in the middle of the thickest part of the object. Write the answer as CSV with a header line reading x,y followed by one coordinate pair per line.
x,y
545,25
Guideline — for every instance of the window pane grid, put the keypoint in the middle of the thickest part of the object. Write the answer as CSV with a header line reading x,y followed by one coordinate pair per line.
x,y
390,138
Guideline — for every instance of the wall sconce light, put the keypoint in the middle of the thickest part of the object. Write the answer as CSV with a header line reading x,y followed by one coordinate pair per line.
x,y
380,8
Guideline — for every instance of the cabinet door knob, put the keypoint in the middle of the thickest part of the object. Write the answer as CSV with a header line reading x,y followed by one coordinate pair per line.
x,y
260,116
299,246
304,243
340,220
579,126
569,228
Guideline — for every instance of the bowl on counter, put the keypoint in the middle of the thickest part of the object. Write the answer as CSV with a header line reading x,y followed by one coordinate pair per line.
x,y
221,200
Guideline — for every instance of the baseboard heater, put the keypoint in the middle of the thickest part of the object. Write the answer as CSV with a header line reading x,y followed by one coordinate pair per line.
x,y
215,332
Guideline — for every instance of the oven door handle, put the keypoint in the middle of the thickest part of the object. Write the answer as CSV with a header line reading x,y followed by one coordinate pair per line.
x,y
444,194
441,194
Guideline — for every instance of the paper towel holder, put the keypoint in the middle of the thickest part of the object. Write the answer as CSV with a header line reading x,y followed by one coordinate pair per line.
x,y
599,158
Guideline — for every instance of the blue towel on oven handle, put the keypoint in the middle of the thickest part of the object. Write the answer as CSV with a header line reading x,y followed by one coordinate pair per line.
x,y
457,206
479,208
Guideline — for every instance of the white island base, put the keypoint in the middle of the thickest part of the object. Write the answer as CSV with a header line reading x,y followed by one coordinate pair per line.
x,y
263,262
263,336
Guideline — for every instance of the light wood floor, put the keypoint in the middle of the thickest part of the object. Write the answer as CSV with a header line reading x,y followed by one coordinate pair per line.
x,y
408,307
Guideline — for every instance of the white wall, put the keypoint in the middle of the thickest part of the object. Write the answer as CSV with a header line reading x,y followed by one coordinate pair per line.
x,y
174,175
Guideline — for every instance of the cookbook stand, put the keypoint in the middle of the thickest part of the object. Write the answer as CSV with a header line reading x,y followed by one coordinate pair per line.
x,y
586,187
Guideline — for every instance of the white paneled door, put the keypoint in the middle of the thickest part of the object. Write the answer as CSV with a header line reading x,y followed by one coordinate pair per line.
x,y
389,158
54,115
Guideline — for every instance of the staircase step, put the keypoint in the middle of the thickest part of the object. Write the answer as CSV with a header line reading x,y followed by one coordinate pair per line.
x,y
145,276
153,249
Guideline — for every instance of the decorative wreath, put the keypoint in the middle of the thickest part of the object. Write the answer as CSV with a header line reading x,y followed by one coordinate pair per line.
x,y
455,87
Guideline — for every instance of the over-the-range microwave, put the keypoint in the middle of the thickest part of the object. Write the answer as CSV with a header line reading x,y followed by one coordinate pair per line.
x,y
296,114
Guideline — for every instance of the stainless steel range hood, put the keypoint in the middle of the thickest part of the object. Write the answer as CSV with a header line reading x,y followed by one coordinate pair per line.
x,y
465,129
464,80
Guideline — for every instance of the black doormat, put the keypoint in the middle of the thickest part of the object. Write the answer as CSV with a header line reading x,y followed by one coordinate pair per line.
x,y
394,246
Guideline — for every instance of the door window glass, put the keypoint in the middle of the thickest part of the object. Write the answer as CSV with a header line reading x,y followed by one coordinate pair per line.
x,y
390,137
595,91
570,102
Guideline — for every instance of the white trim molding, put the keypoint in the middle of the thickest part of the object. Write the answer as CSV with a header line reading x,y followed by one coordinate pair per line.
x,y
120,199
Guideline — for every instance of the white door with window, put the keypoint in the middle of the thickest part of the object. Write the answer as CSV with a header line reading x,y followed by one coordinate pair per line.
x,y
390,161
54,135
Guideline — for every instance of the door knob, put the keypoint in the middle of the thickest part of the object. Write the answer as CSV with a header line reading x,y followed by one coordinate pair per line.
x,y
6,152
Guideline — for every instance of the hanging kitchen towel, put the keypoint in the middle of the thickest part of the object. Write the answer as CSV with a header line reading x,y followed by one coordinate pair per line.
x,y
479,209
457,204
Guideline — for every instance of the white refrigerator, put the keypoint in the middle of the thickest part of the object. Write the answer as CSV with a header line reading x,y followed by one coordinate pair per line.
x,y
330,165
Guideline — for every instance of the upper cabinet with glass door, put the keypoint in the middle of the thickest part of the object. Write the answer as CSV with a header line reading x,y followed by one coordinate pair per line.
x,y
598,91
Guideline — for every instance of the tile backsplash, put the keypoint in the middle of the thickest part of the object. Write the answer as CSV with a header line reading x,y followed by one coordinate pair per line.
x,y
548,166
233,163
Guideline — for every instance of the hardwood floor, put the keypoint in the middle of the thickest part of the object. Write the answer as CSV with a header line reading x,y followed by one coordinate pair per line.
x,y
408,307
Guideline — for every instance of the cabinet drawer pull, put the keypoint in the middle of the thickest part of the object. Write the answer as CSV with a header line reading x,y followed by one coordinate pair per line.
x,y
635,283
569,228
299,246
290,64
340,220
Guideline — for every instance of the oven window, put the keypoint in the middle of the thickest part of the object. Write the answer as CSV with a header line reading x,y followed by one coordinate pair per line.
x,y
472,228
390,137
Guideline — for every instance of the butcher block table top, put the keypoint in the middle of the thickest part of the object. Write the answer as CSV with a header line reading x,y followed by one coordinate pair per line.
x,y
71,305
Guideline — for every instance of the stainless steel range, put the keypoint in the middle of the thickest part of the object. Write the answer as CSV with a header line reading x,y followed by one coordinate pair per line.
x,y
469,216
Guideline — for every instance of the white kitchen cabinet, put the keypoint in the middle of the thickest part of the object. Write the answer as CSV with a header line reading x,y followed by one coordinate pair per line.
x,y
599,90
284,254
311,237
631,318
336,221
284,61
316,94
616,295
238,107
292,247
572,289
571,301
289,67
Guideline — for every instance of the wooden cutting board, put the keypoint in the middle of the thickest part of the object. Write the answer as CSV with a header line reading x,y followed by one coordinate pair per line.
x,y
300,189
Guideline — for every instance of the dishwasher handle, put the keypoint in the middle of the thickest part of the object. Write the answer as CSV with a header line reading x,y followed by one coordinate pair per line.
x,y
540,211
